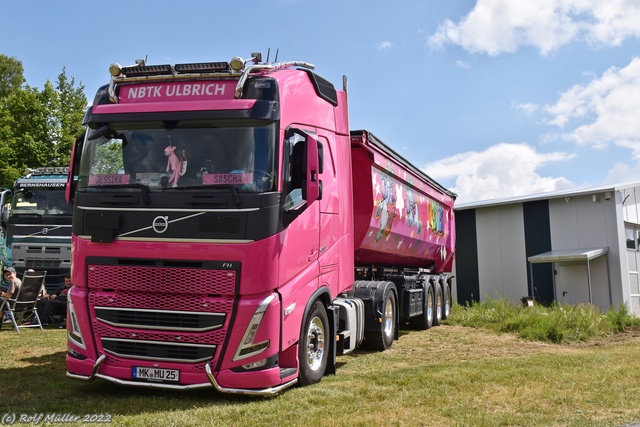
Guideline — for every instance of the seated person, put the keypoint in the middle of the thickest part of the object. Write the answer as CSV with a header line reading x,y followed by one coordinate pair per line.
x,y
12,283
54,304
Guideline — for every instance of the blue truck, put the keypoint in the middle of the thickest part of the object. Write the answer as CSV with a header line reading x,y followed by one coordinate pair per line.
x,y
36,225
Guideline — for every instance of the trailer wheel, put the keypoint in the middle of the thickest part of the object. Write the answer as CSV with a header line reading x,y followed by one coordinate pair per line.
x,y
447,301
313,350
425,320
439,305
382,338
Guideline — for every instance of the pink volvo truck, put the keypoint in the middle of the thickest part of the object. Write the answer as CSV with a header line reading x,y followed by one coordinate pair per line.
x,y
230,231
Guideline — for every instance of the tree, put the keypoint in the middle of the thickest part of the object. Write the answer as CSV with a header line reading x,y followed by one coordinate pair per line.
x,y
68,115
37,128
11,76
11,81
31,144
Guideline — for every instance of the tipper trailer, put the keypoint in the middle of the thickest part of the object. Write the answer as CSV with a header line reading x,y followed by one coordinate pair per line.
x,y
229,231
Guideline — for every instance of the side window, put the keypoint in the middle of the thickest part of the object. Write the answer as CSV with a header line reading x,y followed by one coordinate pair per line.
x,y
295,175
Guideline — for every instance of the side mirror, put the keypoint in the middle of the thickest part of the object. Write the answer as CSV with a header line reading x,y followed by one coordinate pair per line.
x,y
305,164
312,181
5,199
74,166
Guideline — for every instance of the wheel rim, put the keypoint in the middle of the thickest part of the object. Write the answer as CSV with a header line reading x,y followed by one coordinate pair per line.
x,y
439,305
447,306
315,343
388,317
429,306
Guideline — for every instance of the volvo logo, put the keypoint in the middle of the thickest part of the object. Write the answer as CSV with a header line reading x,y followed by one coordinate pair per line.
x,y
45,230
160,224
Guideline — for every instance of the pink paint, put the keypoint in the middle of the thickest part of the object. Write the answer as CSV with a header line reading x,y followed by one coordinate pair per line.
x,y
177,91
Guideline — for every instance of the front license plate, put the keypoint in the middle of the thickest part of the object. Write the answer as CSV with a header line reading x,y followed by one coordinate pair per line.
x,y
155,374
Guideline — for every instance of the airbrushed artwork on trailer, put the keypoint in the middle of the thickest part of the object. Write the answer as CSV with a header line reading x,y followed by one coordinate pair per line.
x,y
406,222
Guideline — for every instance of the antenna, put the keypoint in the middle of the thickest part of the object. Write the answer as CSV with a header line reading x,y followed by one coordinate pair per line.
x,y
268,53
142,62
277,50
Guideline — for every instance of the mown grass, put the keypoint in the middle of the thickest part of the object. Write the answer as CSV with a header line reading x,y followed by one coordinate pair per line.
x,y
446,376
556,324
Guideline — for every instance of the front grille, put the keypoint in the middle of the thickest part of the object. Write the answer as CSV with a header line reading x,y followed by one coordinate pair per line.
x,y
43,250
38,263
149,350
163,312
160,319
213,337
174,301
162,279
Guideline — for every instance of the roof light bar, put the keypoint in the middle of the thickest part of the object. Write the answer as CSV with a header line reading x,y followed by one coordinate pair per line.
x,y
147,70
49,169
203,67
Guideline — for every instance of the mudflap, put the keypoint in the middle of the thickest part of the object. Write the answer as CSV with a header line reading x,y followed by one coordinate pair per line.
x,y
333,313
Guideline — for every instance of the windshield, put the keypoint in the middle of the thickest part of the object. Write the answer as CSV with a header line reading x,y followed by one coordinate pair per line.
x,y
186,154
40,200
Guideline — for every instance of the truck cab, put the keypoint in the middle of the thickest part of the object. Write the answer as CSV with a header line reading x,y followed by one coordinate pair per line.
x,y
37,220
197,248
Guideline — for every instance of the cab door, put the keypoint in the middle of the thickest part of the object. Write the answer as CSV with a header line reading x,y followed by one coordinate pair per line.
x,y
300,239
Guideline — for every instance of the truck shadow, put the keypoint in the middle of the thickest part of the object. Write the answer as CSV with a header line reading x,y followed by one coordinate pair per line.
x,y
41,385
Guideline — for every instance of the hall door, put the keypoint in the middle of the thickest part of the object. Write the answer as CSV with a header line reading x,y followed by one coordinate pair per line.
x,y
633,260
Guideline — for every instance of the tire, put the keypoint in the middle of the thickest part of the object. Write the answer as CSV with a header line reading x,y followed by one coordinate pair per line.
x,y
439,305
425,320
313,350
447,301
382,338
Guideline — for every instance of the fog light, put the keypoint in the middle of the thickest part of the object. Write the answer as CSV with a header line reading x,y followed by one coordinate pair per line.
x,y
258,364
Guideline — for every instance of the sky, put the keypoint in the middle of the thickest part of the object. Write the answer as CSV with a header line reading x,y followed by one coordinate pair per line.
x,y
491,98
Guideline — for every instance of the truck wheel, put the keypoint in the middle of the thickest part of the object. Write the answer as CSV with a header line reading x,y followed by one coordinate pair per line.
x,y
439,305
447,301
313,350
425,320
383,338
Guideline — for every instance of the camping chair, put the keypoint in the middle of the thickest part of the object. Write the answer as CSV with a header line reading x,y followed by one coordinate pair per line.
x,y
24,301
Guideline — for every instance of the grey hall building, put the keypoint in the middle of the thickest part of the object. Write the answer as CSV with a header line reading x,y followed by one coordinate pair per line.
x,y
575,246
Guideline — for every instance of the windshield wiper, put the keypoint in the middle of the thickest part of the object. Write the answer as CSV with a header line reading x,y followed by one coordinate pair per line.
x,y
234,192
144,188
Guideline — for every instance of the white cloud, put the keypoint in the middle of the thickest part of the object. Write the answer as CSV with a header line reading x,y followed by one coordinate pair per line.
x,y
503,26
462,64
502,170
528,108
384,45
603,112
622,172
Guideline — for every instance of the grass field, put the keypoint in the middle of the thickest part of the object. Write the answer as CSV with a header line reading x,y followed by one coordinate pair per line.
x,y
447,376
